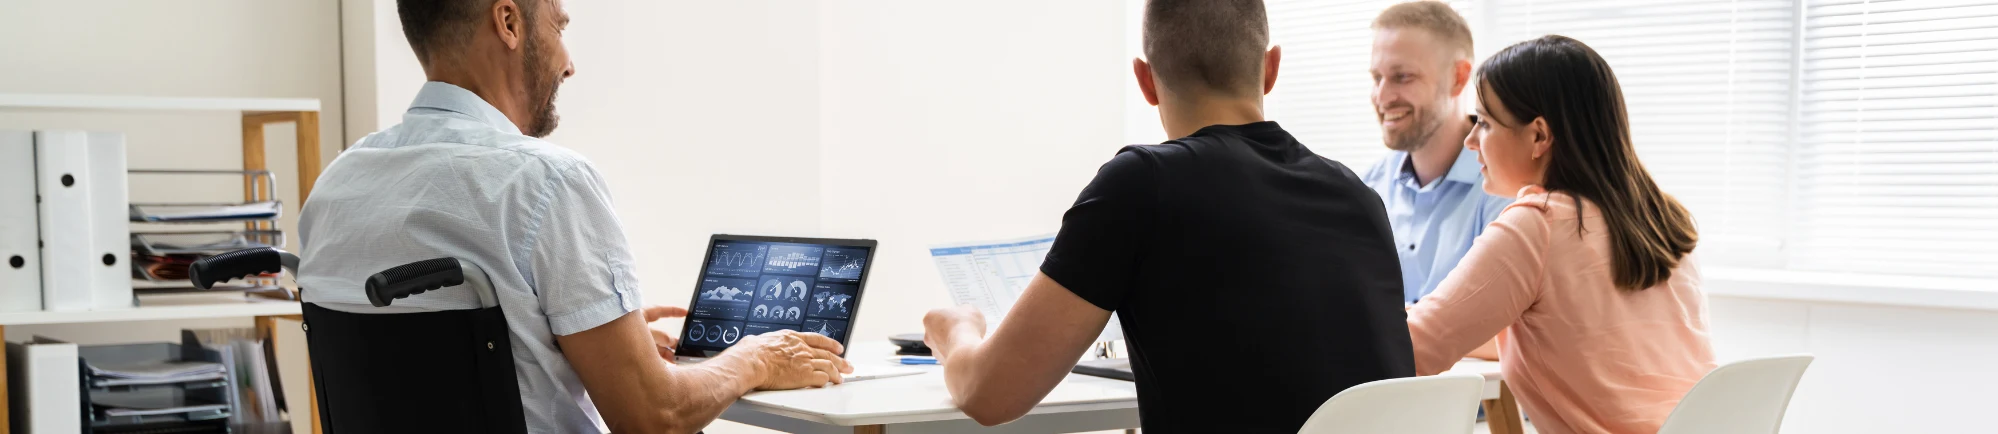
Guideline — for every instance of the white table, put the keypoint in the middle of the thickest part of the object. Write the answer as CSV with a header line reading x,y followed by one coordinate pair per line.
x,y
920,404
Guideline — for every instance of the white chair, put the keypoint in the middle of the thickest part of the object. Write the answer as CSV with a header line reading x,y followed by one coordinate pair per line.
x,y
1441,404
1744,397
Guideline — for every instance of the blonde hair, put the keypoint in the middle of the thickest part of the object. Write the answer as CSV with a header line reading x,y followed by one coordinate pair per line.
x,y
1433,16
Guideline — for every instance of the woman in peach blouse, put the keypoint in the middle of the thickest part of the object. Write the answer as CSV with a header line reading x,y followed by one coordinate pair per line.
x,y
1588,279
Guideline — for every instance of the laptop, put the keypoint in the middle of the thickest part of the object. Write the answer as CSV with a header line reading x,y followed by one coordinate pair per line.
x,y
750,285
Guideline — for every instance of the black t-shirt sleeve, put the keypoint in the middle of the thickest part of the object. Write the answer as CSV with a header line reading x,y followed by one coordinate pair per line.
x,y
1104,235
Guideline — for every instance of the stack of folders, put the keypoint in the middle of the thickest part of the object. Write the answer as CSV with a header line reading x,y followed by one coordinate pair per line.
x,y
167,238
254,394
162,257
63,229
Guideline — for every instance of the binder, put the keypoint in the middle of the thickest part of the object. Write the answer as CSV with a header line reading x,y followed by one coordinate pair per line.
x,y
86,244
20,256
44,386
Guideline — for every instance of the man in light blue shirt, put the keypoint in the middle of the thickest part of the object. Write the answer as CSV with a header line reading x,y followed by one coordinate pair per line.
x,y
1430,184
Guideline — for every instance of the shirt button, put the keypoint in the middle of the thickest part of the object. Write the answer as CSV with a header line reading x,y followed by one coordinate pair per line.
x,y
1411,247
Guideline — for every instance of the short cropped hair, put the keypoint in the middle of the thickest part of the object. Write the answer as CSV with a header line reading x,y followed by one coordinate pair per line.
x,y
435,25
1431,16
1214,45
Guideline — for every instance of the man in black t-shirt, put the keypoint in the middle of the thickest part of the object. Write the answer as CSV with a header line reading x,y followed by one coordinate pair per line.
x,y
1254,278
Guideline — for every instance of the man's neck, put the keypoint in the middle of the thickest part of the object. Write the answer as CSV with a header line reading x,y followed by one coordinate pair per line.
x,y
1183,118
1434,159
491,88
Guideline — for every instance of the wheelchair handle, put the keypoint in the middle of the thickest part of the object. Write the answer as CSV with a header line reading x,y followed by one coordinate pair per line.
x,y
412,279
206,272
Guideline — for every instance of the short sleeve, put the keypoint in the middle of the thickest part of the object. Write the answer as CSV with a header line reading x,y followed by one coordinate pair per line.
x,y
580,264
1097,253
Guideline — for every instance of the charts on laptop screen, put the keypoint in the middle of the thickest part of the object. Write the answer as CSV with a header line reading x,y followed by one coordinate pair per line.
x,y
755,287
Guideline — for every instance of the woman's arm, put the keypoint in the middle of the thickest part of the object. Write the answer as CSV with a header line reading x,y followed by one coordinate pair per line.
x,y
1490,288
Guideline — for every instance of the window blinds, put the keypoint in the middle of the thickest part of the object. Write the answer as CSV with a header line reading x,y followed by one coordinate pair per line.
x,y
1708,87
1816,135
1897,158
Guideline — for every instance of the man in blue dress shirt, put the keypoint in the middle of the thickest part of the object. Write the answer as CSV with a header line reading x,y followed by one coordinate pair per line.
x,y
1430,183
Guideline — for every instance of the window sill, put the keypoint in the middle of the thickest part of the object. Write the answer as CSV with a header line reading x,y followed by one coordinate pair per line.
x,y
1875,289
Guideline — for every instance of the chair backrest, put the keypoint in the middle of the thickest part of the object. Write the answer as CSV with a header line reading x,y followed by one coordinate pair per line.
x,y
1442,404
422,372
1744,397
427,372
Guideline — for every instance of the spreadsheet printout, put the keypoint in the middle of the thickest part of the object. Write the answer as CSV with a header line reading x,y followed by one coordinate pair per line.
x,y
991,275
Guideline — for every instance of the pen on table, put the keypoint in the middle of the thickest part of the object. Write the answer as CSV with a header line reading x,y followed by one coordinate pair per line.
x,y
913,360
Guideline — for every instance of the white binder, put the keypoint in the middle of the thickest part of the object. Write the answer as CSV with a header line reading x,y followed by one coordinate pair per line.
x,y
86,243
20,256
44,387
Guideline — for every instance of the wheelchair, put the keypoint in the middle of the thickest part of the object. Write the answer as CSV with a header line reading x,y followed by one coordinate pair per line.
x,y
429,372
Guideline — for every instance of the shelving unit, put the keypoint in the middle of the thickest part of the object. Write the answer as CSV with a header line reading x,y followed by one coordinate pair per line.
x,y
256,113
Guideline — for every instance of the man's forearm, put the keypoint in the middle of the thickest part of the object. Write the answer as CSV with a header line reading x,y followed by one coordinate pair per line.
x,y
702,391
962,370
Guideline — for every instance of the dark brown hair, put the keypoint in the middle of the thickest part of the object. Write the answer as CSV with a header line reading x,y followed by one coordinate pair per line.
x,y
1563,81
1207,45
438,26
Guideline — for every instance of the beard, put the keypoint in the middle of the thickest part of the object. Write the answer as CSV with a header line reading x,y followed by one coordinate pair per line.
x,y
1416,133
541,88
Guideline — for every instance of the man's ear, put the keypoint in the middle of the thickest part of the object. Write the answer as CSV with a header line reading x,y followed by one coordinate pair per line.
x,y
1145,84
1462,69
508,24
1270,62
1542,136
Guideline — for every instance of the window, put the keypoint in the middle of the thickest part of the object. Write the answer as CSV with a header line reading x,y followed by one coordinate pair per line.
x,y
1831,135
1708,87
1812,135
1896,163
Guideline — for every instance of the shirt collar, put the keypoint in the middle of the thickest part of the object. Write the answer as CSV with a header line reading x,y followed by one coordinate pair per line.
x,y
1465,170
437,95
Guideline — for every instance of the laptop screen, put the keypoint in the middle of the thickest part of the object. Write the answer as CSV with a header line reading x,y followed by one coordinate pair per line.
x,y
754,285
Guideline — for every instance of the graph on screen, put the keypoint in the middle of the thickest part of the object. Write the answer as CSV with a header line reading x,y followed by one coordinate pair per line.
x,y
793,259
736,259
844,263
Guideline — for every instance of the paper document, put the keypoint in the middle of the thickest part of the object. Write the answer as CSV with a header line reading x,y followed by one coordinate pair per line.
x,y
991,275
108,382
157,370
165,410
197,213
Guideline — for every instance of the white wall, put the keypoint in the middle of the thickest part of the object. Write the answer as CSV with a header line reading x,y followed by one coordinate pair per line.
x,y
1878,368
702,116
217,48
939,129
